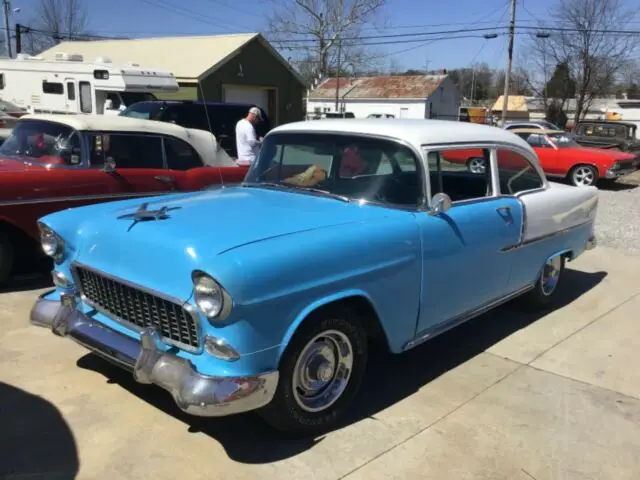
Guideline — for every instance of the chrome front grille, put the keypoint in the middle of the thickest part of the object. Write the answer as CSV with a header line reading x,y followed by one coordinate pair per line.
x,y
138,308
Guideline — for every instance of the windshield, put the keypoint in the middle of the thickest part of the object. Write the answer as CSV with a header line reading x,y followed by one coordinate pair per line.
x,y
145,110
562,140
349,166
48,142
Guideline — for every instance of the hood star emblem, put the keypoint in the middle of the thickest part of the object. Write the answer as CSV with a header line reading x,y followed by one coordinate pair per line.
x,y
142,214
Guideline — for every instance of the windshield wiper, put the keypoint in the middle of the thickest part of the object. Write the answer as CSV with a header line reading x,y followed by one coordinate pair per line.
x,y
287,186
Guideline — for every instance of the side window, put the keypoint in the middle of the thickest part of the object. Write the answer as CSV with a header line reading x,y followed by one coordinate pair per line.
x,y
127,150
71,91
180,155
461,173
53,88
85,97
115,100
516,173
535,140
1,81
187,116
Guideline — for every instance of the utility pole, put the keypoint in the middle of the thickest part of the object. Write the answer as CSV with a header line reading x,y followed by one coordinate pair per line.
x,y
505,96
7,38
338,75
18,38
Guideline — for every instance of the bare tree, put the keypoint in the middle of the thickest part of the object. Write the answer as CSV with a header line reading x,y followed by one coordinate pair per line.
x,y
58,20
325,31
587,45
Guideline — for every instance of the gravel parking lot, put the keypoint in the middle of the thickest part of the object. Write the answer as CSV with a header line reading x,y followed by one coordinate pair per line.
x,y
618,222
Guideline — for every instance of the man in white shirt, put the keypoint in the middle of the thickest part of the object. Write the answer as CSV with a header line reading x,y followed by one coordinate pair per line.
x,y
247,144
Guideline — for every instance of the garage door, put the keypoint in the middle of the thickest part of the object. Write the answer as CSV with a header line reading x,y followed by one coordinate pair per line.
x,y
256,95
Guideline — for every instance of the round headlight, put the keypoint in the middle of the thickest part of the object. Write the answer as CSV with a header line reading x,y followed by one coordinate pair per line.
x,y
208,295
52,243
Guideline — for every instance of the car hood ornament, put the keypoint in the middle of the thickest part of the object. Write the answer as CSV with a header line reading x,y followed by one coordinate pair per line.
x,y
142,214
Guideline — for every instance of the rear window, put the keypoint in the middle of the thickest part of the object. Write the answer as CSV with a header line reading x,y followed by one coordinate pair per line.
x,y
145,110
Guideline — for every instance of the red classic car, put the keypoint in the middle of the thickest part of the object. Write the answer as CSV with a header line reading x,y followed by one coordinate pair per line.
x,y
560,156
54,162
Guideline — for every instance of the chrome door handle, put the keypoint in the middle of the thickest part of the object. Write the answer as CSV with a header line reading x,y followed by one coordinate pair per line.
x,y
164,178
505,213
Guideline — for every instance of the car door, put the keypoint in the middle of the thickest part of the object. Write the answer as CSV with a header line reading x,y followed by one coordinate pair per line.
x,y
464,262
190,171
139,162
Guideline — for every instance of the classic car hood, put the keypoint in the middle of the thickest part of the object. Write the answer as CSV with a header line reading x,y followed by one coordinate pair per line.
x,y
200,226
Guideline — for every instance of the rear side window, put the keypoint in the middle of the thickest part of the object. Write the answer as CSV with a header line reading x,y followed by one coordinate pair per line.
x,y
187,116
127,150
180,155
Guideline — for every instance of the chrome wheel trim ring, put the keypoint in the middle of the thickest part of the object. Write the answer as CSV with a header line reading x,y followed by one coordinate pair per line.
x,y
477,165
322,371
583,177
551,275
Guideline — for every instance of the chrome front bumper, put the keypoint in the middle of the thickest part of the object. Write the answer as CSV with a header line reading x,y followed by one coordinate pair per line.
x,y
193,392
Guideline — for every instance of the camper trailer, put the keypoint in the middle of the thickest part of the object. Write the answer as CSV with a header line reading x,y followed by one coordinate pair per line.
x,y
69,85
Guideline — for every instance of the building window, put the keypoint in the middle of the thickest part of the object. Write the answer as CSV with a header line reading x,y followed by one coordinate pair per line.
x,y
52,88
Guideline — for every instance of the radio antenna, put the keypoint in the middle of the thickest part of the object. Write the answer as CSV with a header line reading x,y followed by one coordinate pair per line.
x,y
214,140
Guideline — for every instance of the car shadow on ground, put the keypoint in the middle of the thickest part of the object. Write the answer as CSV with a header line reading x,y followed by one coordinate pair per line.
x,y
24,283
616,186
35,440
390,378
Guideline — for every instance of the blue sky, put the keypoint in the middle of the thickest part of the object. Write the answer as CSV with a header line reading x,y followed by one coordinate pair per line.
x,y
206,17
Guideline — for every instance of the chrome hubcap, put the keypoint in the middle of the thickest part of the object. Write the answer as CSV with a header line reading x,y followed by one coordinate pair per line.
x,y
551,275
476,165
583,176
322,371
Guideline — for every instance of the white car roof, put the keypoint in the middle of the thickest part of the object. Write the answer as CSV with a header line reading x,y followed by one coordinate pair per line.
x,y
204,142
417,132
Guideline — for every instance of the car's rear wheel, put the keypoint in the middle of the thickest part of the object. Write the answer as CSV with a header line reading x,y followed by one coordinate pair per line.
x,y
476,165
6,257
320,374
548,282
583,176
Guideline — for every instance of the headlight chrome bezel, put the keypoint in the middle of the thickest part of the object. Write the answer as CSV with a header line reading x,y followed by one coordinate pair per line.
x,y
52,243
207,289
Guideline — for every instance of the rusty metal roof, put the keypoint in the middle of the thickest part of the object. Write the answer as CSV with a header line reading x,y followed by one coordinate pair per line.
x,y
404,87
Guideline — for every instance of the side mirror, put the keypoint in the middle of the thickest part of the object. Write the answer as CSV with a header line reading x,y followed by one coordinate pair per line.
x,y
109,165
440,203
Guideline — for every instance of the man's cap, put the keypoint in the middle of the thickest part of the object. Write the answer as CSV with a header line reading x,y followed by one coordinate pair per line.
x,y
256,111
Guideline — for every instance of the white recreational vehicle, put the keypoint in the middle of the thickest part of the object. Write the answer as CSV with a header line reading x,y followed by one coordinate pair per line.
x,y
70,85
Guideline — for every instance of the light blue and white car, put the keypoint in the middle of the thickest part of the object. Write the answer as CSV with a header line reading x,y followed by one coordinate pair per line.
x,y
265,295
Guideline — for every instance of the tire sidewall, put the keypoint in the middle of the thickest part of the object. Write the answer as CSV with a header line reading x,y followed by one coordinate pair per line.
x,y
284,405
540,297
576,167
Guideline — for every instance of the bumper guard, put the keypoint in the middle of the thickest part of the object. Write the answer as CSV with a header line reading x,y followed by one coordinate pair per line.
x,y
194,393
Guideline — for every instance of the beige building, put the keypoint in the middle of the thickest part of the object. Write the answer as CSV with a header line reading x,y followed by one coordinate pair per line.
x,y
223,68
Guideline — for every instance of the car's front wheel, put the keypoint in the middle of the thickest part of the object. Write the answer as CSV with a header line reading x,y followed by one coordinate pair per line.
x,y
321,372
547,285
583,176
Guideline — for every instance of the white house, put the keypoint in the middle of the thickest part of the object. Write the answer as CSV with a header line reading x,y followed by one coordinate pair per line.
x,y
411,96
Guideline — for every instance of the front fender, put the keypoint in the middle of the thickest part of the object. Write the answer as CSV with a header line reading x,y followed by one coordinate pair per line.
x,y
277,282
319,303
